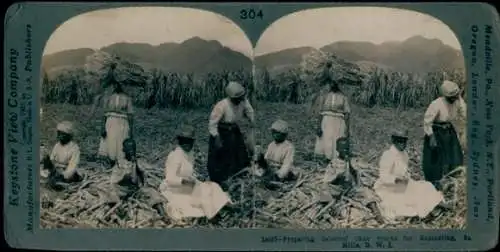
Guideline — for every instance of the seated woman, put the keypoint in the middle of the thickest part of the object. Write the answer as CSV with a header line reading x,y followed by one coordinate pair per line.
x,y
400,195
341,173
277,162
61,165
127,178
188,197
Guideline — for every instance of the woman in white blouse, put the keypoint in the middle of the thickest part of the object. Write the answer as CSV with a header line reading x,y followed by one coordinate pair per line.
x,y
186,195
63,161
334,110
442,150
228,150
401,196
279,156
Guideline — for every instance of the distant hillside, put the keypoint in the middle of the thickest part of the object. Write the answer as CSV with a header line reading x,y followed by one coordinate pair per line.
x,y
416,54
282,60
194,55
68,58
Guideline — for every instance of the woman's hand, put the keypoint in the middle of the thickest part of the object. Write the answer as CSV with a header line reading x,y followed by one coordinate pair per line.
x,y
189,181
103,127
401,181
319,132
433,141
141,177
218,142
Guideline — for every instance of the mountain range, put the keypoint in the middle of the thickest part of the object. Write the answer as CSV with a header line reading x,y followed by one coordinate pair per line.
x,y
416,54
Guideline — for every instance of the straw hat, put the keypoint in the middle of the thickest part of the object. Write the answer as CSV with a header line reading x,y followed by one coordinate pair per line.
x,y
235,89
66,127
400,133
449,88
186,132
280,126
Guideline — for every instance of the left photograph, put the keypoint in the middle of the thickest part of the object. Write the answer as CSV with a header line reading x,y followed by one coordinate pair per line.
x,y
140,107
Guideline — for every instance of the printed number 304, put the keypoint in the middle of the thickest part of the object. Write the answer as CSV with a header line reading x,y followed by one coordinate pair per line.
x,y
251,14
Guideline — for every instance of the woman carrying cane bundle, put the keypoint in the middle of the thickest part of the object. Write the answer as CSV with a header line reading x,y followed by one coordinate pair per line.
x,y
334,122
117,123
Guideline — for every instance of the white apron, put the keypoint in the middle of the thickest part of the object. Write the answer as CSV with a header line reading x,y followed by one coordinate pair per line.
x,y
333,127
417,198
204,199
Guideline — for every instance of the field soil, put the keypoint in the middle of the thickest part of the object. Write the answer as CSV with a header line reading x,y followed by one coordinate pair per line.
x,y
155,131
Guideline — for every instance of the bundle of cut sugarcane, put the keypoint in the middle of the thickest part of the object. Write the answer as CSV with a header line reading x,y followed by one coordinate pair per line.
x,y
98,64
318,65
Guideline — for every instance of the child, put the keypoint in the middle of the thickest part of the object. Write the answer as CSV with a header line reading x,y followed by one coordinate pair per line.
x,y
277,162
128,177
61,165
341,173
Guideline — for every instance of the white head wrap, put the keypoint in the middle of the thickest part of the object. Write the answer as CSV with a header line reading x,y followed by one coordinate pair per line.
x,y
66,127
280,126
235,89
449,88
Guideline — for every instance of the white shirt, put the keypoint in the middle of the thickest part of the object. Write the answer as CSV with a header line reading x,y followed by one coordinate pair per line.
x,y
178,165
280,155
66,157
226,111
441,111
393,164
417,198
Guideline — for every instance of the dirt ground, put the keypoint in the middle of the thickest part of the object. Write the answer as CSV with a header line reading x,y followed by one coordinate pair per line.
x,y
155,132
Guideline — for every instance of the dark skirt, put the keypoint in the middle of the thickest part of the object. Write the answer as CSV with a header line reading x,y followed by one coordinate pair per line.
x,y
437,162
231,158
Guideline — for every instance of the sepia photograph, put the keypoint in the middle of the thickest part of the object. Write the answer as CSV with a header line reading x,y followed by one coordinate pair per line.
x,y
340,117
367,113
139,112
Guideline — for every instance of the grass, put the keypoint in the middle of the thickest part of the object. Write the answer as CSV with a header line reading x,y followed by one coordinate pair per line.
x,y
155,130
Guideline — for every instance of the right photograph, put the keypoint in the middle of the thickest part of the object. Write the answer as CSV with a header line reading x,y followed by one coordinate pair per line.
x,y
362,121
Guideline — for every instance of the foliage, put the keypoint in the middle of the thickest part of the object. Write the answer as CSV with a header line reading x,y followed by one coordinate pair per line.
x,y
403,90
156,88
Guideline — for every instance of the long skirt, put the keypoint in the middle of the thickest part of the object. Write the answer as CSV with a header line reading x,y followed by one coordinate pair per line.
x,y
333,128
117,130
437,162
206,199
417,198
231,158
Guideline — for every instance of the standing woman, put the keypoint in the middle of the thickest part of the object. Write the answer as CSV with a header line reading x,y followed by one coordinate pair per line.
x,y
442,150
228,152
117,123
334,112
106,88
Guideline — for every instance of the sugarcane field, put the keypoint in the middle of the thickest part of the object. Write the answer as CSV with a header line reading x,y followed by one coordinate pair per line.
x,y
116,117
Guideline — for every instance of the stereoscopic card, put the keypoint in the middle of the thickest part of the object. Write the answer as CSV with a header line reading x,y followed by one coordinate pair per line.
x,y
268,126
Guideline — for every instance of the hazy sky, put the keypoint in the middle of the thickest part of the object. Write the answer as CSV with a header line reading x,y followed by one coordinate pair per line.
x,y
152,25
319,27
316,28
